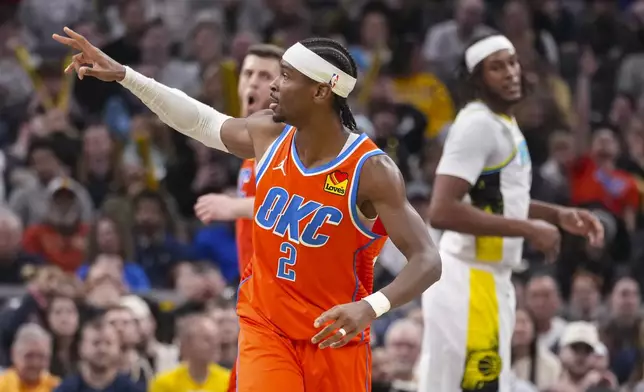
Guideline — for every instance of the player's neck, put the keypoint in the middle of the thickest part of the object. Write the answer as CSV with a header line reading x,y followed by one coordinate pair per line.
x,y
498,106
320,140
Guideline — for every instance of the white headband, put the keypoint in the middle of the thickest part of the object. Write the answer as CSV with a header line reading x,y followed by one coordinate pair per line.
x,y
485,47
318,69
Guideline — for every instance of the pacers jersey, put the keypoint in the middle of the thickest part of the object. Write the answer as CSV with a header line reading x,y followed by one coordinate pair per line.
x,y
244,227
313,248
489,151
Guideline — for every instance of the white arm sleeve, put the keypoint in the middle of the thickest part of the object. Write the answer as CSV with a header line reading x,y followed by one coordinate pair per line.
x,y
177,110
469,146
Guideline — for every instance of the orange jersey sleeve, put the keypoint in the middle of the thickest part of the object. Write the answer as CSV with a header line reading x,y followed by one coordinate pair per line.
x,y
313,249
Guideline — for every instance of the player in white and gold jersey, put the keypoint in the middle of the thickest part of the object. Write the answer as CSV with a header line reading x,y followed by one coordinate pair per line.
x,y
482,201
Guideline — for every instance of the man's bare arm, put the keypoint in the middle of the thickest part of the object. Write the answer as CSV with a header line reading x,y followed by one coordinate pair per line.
x,y
244,137
447,211
544,211
382,184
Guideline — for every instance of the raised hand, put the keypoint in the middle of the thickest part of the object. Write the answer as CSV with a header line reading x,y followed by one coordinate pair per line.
x,y
91,61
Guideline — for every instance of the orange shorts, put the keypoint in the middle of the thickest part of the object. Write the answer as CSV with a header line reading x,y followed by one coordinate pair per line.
x,y
269,362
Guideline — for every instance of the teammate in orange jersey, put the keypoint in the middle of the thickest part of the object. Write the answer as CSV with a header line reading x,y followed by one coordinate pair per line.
x,y
320,187
260,67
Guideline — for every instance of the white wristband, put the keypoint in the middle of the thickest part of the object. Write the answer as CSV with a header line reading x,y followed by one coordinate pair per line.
x,y
379,302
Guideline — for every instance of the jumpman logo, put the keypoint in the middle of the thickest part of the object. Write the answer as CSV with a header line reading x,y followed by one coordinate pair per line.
x,y
281,166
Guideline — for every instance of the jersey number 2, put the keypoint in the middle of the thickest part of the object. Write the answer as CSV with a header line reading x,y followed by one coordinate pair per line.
x,y
286,263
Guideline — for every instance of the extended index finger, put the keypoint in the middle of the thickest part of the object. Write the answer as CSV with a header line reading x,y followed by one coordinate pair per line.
x,y
330,315
67,41
79,39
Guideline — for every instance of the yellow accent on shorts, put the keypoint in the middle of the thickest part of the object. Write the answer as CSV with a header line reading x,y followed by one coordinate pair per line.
x,y
489,249
483,363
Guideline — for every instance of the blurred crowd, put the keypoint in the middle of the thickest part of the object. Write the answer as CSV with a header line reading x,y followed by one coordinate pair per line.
x,y
108,282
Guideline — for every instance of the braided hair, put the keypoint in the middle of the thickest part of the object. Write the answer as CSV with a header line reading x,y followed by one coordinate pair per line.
x,y
336,54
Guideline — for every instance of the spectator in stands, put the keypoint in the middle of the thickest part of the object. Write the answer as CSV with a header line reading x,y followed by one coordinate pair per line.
x,y
402,344
30,354
132,362
160,356
415,86
16,265
155,53
552,182
225,316
531,361
621,332
132,275
446,41
99,166
63,320
207,40
104,287
46,283
198,285
374,37
543,301
585,297
99,367
61,238
578,344
31,202
380,364
156,249
198,339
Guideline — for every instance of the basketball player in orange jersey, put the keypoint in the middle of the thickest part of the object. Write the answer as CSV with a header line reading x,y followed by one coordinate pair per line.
x,y
320,187
260,67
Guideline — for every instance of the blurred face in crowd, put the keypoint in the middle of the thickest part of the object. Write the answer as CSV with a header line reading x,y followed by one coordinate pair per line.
x,y
62,317
621,110
64,210
207,43
578,359
10,236
103,290
97,143
380,363
255,79
516,18
501,77
125,323
469,14
46,165
542,298
100,348
625,299
374,30
585,293
107,237
402,342
385,123
133,15
226,320
561,148
523,329
604,145
149,215
31,357
200,340
154,44
241,42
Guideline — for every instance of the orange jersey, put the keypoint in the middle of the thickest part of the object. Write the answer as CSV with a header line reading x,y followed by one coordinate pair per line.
x,y
244,227
313,249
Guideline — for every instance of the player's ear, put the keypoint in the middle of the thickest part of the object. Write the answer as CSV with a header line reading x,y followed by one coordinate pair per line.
x,y
322,92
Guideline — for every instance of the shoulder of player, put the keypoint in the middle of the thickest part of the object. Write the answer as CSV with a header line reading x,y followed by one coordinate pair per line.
x,y
473,119
379,177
